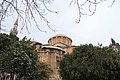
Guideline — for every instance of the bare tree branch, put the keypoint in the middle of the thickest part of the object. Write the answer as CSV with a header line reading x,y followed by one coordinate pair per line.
x,y
112,3
26,11
90,3
78,11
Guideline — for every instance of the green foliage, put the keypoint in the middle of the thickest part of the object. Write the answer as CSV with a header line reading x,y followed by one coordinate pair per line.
x,y
88,62
7,47
42,71
113,41
16,57
19,58
115,45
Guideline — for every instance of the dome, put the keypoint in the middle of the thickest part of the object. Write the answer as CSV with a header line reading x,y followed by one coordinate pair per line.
x,y
60,40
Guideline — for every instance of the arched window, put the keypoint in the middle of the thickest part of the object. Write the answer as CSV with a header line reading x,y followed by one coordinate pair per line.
x,y
58,39
54,40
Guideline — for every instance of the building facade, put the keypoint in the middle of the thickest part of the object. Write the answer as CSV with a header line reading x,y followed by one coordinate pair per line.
x,y
51,54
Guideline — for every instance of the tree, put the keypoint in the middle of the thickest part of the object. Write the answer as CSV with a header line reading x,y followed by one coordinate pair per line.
x,y
114,45
88,62
113,41
17,58
28,9
42,71
20,59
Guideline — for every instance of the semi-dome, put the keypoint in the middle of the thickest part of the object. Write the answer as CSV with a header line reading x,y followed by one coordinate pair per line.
x,y
60,40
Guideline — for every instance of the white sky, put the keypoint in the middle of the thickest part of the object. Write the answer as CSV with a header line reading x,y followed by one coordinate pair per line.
x,y
100,27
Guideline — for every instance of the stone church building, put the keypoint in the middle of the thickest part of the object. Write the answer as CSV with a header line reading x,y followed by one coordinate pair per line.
x,y
53,52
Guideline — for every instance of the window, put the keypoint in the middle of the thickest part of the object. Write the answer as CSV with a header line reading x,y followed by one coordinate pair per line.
x,y
68,42
64,40
58,39
54,40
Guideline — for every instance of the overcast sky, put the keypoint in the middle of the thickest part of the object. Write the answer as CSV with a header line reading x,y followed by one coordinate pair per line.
x,y
101,27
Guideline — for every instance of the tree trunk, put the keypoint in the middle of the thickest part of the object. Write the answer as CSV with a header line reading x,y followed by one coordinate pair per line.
x,y
11,76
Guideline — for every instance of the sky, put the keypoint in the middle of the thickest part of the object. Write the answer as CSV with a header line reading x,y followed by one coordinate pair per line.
x,y
100,27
